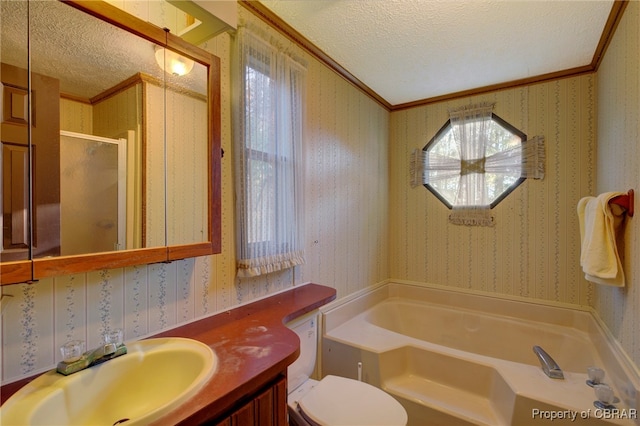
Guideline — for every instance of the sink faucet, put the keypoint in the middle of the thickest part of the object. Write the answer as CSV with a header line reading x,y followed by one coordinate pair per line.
x,y
74,360
549,366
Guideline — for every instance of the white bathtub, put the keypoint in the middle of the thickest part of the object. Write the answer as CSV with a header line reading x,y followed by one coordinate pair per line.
x,y
482,333
455,358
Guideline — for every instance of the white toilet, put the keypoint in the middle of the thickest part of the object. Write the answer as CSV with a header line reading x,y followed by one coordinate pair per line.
x,y
333,400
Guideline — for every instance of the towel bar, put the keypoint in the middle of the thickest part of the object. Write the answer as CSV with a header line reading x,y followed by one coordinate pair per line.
x,y
625,201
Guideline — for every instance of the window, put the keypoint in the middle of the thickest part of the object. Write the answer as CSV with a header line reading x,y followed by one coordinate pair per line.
x,y
490,184
475,161
269,116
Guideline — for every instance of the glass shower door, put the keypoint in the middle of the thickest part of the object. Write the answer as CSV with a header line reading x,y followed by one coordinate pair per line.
x,y
92,193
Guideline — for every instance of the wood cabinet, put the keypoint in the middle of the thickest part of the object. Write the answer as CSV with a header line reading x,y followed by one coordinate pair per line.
x,y
267,407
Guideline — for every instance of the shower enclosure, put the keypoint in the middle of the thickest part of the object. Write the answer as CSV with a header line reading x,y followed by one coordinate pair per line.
x,y
92,193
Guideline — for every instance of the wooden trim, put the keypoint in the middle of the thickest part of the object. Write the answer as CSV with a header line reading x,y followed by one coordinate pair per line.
x,y
189,250
15,272
558,75
118,88
75,98
112,91
130,82
276,22
617,10
121,19
215,157
64,265
144,145
146,78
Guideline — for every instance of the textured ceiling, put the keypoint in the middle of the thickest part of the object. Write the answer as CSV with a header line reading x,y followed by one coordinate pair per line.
x,y
412,50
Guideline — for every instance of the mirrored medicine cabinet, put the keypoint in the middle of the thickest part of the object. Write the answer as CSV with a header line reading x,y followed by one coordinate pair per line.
x,y
110,134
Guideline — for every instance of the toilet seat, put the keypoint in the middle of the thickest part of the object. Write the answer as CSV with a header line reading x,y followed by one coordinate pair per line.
x,y
341,401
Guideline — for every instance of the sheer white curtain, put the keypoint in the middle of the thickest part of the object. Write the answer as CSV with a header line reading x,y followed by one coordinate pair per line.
x,y
470,126
268,108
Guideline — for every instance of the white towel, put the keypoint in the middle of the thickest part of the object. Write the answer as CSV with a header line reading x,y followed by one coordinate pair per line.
x,y
599,255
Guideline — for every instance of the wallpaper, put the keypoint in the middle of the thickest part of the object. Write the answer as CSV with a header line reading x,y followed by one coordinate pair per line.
x,y
618,169
533,249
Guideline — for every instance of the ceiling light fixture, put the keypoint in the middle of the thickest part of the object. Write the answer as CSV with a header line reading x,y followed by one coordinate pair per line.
x,y
176,64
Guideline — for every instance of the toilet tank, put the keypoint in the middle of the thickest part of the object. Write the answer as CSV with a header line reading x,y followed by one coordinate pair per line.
x,y
306,327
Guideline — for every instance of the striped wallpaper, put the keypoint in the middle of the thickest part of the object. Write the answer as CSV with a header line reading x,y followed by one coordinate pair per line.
x,y
618,169
533,249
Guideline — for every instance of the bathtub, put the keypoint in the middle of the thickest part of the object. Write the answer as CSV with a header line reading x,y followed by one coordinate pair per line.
x,y
455,358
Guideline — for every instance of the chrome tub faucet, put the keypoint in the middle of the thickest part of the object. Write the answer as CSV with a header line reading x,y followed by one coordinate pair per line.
x,y
549,366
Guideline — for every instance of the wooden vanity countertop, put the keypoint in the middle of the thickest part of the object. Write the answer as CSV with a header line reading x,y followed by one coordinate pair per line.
x,y
252,344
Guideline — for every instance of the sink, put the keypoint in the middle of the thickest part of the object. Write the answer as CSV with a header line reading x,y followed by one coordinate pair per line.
x,y
153,378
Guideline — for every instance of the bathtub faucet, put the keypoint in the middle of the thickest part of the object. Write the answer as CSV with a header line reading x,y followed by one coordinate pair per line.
x,y
549,366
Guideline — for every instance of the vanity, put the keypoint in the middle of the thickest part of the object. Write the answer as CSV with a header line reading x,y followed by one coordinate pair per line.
x,y
253,348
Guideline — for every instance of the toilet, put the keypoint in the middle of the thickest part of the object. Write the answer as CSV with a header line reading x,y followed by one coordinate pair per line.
x,y
333,400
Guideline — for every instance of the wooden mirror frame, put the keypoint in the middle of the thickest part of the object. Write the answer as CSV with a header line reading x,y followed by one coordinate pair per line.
x,y
34,269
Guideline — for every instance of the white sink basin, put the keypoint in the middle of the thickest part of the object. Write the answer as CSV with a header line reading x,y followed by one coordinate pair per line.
x,y
153,378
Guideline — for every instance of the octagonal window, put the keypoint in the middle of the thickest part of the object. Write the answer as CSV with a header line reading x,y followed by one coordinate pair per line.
x,y
474,163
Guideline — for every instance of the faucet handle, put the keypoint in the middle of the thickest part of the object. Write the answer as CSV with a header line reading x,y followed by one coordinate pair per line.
x,y
596,376
605,396
72,351
604,393
113,337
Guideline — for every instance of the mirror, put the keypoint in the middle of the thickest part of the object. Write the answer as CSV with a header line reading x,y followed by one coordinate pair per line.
x,y
120,151
16,248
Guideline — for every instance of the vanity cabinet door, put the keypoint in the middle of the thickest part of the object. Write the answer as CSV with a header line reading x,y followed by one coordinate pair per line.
x,y
271,406
267,408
